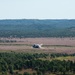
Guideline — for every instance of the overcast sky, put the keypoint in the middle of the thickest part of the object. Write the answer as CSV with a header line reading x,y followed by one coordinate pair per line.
x,y
37,9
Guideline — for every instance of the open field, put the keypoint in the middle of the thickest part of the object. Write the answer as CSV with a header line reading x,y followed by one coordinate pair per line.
x,y
61,58
50,45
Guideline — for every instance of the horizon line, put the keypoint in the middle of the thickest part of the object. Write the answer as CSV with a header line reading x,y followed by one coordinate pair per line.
x,y
36,19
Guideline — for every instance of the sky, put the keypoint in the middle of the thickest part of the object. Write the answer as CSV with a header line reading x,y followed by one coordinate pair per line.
x,y
37,9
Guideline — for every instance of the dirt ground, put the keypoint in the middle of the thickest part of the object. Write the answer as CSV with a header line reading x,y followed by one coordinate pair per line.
x,y
50,45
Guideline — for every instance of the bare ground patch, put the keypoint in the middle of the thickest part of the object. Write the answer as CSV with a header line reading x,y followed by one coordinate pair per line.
x,y
50,45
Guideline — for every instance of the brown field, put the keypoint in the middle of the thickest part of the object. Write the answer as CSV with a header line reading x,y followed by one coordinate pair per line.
x,y
50,45
27,70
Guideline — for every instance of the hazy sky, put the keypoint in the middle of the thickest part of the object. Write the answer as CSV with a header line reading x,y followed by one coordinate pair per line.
x,y
37,9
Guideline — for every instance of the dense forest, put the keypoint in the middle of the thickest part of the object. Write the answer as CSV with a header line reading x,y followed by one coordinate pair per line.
x,y
12,63
37,28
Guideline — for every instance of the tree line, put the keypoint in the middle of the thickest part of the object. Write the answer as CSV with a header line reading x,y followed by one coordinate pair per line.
x,y
10,62
37,28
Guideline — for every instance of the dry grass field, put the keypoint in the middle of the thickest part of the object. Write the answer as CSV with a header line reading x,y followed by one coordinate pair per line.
x,y
50,45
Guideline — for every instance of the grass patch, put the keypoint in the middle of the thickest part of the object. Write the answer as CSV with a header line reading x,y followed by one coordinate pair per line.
x,y
61,58
15,45
57,46
65,58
